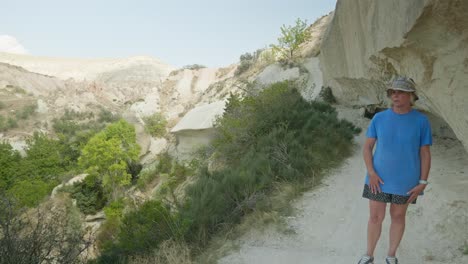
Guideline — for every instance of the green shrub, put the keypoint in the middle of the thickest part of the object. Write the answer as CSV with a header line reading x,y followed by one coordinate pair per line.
x,y
11,123
194,67
65,127
9,162
109,231
89,195
30,192
143,230
327,95
107,116
146,176
172,172
164,163
246,60
134,168
26,111
44,158
74,115
2,105
33,177
275,136
155,125
69,126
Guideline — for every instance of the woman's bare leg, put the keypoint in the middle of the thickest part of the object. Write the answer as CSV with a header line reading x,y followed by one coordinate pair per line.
x,y
397,227
374,226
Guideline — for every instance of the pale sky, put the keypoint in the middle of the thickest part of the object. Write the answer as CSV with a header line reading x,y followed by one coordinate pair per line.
x,y
209,32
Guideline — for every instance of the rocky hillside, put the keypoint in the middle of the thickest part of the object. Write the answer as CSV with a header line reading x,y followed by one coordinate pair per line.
x,y
133,87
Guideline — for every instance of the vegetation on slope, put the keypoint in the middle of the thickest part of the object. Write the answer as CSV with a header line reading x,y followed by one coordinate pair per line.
x,y
274,137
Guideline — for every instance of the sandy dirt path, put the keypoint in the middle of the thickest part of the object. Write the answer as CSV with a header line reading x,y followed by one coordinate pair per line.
x,y
331,221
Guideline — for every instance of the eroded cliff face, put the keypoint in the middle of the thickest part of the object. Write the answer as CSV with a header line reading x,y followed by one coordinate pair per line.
x,y
368,42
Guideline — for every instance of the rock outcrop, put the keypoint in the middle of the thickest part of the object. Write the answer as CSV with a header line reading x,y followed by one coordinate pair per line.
x,y
368,42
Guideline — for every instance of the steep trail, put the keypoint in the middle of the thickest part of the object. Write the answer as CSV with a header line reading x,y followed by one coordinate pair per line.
x,y
331,221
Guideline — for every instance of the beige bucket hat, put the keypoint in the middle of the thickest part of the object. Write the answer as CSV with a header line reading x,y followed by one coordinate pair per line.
x,y
405,84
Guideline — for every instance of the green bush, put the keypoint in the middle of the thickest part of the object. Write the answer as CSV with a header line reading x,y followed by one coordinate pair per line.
x,y
2,105
74,115
44,158
155,125
107,116
9,162
33,177
275,136
89,195
74,135
65,127
143,230
172,172
146,176
26,111
194,67
30,192
109,231
246,60
327,95
69,126
164,163
11,123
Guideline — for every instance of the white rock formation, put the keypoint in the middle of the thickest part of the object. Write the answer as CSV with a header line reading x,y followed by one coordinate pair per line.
x,y
275,73
368,42
196,128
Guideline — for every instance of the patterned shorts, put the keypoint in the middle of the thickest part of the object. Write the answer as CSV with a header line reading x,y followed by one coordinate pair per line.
x,y
385,197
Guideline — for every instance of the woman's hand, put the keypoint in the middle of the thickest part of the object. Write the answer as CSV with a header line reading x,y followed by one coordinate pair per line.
x,y
415,192
374,183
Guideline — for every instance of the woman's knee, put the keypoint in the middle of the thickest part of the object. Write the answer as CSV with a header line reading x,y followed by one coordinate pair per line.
x,y
376,217
398,213
377,212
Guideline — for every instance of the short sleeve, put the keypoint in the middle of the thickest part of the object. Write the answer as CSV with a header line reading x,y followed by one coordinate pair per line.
x,y
426,133
371,130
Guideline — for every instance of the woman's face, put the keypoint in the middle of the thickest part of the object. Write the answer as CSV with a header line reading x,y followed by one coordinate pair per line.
x,y
400,98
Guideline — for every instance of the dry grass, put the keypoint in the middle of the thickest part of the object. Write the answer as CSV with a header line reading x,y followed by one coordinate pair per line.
x,y
169,252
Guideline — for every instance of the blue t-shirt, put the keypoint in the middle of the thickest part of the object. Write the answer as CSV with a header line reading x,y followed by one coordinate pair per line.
x,y
397,152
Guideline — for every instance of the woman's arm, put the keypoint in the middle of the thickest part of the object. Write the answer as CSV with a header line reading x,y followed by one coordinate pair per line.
x,y
425,154
374,179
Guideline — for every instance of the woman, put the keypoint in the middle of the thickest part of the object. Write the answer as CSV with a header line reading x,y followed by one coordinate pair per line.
x,y
398,170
